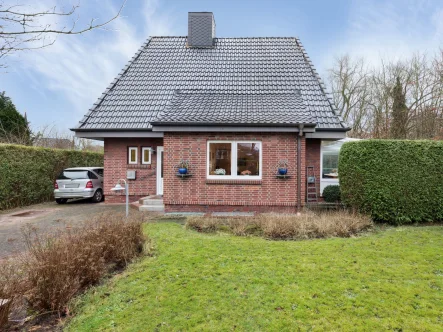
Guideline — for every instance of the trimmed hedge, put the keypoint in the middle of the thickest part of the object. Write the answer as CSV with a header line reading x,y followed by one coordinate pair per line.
x,y
331,194
396,181
27,174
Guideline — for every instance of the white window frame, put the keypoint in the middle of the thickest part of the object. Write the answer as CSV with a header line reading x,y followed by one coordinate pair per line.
x,y
233,162
324,182
130,148
143,156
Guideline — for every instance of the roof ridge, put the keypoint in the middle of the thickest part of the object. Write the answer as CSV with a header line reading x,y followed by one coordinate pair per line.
x,y
270,37
320,82
114,82
219,92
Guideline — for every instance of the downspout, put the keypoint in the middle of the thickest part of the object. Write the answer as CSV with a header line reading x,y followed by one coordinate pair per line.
x,y
300,135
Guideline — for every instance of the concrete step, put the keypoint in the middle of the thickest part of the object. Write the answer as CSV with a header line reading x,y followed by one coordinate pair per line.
x,y
152,208
152,202
134,205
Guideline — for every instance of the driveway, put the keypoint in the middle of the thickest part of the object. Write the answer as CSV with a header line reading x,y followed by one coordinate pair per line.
x,y
45,217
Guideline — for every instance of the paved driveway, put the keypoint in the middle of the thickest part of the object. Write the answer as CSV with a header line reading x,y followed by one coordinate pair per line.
x,y
45,217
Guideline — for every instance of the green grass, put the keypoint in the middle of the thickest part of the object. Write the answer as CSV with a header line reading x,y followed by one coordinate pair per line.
x,y
389,280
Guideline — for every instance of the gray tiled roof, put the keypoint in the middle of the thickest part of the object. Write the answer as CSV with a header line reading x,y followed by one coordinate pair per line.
x,y
209,107
233,66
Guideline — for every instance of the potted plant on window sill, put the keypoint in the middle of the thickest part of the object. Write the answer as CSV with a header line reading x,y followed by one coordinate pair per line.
x,y
183,167
282,167
220,171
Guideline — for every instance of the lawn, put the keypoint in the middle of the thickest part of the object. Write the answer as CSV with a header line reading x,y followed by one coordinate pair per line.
x,y
386,280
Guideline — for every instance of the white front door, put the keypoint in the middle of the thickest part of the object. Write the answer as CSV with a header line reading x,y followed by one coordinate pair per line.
x,y
159,170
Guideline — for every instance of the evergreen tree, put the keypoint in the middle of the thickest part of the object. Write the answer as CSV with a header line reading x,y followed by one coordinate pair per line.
x,y
399,112
14,127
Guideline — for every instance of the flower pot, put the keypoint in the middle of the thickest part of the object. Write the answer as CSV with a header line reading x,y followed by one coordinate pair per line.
x,y
282,171
182,170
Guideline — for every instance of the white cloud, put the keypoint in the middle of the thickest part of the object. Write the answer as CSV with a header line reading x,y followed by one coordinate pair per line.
x,y
157,24
390,30
81,67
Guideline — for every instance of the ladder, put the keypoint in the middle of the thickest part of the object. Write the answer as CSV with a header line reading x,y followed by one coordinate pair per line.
x,y
311,185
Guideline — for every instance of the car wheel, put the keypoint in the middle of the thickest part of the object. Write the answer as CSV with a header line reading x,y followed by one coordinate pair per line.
x,y
61,200
98,196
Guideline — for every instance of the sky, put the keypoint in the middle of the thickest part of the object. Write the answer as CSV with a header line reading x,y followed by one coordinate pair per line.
x,y
57,85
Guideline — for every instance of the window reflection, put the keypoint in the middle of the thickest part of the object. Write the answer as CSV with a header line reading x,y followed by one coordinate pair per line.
x,y
248,159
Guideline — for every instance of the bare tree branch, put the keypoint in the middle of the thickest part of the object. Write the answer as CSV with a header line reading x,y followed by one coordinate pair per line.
x,y
22,29
364,97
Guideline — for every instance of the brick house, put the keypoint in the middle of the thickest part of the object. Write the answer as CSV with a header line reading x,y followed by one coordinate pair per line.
x,y
232,107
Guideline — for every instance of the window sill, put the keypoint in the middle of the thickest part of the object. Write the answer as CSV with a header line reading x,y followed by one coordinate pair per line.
x,y
138,166
233,181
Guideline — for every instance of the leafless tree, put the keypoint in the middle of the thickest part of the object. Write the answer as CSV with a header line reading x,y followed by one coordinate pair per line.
x,y
349,80
49,136
85,144
22,28
364,96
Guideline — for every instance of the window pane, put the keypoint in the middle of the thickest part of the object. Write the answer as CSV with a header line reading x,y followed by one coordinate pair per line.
x,y
219,158
92,176
248,159
133,155
161,157
330,165
146,156
73,175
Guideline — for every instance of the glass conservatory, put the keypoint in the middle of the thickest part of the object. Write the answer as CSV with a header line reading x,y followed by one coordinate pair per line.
x,y
329,161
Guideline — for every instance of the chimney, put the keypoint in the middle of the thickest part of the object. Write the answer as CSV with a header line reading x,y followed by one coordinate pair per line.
x,y
201,29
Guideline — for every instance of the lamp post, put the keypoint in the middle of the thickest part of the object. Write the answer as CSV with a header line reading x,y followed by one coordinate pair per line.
x,y
118,187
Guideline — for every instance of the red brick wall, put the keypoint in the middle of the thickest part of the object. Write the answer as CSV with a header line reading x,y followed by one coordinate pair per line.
x,y
116,165
231,208
313,147
196,193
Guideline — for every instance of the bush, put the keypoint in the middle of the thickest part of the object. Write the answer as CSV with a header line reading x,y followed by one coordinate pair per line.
x,y
331,194
397,181
286,226
57,267
27,173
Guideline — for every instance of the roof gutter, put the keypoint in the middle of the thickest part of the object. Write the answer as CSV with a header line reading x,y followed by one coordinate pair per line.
x,y
334,129
109,129
236,124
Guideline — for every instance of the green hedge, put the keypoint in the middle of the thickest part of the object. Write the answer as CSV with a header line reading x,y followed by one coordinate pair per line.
x,y
397,181
331,194
27,174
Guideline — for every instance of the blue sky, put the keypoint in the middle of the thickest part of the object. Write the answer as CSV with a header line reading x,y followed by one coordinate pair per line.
x,y
57,85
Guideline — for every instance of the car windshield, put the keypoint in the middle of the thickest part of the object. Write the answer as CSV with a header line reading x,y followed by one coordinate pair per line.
x,y
73,175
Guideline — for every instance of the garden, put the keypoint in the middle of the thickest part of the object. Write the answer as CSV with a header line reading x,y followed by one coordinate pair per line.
x,y
387,279
333,270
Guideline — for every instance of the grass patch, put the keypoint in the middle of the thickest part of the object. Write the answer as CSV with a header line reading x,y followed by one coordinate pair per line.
x,y
387,280
309,225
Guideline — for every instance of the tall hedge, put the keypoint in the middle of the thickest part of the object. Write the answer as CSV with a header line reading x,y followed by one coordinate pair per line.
x,y
27,174
397,181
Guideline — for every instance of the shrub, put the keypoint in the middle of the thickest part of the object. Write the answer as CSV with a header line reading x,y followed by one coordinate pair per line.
x,y
11,286
57,267
397,181
287,226
202,224
27,173
331,194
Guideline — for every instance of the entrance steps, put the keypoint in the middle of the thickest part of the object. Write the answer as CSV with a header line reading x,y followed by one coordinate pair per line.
x,y
152,204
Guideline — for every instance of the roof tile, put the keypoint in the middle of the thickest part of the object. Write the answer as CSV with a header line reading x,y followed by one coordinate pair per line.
x,y
232,76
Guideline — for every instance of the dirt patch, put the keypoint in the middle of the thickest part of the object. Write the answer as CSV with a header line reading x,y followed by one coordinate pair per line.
x,y
45,217
30,213
25,215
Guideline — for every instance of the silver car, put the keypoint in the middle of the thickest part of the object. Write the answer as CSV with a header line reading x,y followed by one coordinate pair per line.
x,y
79,182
